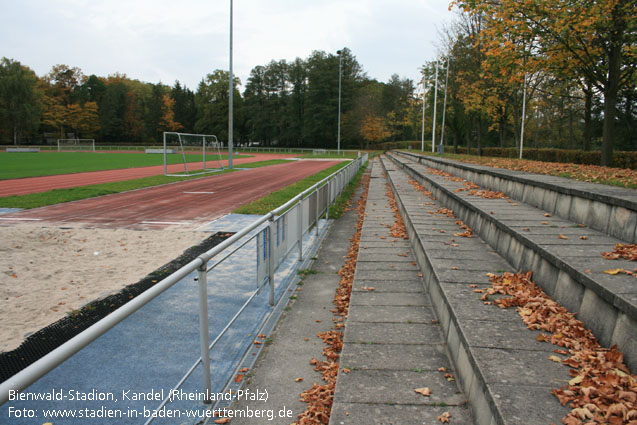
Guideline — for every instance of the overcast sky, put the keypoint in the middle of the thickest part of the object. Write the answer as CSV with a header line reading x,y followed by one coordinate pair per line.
x,y
168,40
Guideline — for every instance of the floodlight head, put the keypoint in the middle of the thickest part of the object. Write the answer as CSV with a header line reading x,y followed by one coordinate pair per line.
x,y
338,52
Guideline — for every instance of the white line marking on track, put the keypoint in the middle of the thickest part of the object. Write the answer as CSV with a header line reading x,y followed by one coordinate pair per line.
x,y
165,222
199,193
20,219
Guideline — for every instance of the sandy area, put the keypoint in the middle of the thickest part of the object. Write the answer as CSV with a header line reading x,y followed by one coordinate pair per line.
x,y
46,272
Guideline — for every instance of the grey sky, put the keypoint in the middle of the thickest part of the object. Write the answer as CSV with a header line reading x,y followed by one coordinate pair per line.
x,y
168,40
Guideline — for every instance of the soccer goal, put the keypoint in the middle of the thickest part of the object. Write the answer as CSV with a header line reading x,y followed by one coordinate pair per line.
x,y
76,145
198,154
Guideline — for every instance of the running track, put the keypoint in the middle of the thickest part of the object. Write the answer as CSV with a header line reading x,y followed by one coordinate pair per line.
x,y
64,181
187,204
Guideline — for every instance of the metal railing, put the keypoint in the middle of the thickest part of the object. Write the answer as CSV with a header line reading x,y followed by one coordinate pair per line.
x,y
286,226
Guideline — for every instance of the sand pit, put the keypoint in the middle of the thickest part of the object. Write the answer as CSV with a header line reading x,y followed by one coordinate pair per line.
x,y
46,272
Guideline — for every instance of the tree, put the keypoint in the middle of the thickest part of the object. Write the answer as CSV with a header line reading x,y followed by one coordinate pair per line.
x,y
591,40
185,109
168,122
211,100
20,99
374,129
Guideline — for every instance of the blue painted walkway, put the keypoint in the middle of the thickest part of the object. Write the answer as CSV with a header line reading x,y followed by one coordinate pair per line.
x,y
149,352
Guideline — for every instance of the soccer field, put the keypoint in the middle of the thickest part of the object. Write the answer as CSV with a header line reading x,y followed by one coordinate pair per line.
x,y
18,164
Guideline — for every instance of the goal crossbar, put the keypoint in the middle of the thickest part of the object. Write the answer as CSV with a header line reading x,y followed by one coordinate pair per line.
x,y
208,142
76,145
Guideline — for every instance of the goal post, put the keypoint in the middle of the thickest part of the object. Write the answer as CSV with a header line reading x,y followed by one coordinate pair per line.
x,y
202,149
76,145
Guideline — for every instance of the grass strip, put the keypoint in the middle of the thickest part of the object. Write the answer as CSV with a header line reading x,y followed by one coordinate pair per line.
x,y
57,196
343,202
21,165
275,199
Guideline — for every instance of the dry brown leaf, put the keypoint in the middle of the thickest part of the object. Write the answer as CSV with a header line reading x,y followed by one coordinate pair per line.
x,y
614,271
244,370
444,418
424,391
239,377
298,380
563,237
555,359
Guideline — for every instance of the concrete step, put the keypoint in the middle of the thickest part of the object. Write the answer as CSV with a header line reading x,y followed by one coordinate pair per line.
x,y
570,267
608,209
504,371
392,341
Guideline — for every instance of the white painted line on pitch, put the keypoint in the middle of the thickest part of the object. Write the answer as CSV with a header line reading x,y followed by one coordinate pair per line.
x,y
198,193
20,219
165,222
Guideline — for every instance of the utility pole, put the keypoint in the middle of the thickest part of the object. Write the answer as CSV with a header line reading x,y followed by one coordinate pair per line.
x,y
444,107
230,100
433,129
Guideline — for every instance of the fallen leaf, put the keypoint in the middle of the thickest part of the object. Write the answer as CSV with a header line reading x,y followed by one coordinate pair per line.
x,y
368,288
563,237
545,222
424,391
239,378
613,271
298,379
555,359
583,238
444,418
244,370
576,380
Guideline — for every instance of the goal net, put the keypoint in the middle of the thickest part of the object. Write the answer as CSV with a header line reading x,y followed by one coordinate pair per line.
x,y
191,154
76,145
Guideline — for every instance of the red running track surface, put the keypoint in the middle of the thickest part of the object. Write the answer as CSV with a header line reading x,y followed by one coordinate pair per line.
x,y
185,204
65,181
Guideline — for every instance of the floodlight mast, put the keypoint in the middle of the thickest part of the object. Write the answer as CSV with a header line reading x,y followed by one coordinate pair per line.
x,y
424,103
340,67
230,100
444,107
433,129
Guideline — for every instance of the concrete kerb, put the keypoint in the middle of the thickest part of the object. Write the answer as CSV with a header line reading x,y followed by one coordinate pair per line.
x,y
505,237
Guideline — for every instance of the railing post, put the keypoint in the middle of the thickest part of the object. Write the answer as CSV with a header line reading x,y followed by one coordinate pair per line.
x,y
299,228
271,263
204,336
317,211
329,200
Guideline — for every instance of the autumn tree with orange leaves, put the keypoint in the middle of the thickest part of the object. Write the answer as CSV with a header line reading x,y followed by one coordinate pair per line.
x,y
589,40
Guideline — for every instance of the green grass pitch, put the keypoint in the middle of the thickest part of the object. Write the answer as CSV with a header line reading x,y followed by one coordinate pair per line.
x,y
19,164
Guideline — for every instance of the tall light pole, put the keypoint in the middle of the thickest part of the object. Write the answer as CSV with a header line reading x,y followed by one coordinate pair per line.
x,y
340,67
424,105
433,130
523,116
444,107
230,100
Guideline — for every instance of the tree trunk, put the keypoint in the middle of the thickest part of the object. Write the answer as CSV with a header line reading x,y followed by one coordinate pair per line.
x,y
570,128
478,127
610,92
588,113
